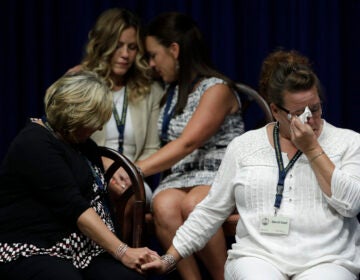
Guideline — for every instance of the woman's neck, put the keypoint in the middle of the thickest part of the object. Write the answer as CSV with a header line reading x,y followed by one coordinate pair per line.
x,y
56,134
118,83
117,87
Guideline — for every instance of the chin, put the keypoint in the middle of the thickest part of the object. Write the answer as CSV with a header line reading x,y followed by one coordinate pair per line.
x,y
167,80
120,71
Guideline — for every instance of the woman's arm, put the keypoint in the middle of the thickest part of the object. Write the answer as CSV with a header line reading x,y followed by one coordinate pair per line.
x,y
341,183
215,104
323,168
93,227
305,140
206,218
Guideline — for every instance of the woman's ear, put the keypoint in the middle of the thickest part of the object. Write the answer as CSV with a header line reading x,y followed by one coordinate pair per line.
x,y
174,50
274,110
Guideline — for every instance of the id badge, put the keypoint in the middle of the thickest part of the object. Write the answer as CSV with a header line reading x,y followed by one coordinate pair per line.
x,y
278,225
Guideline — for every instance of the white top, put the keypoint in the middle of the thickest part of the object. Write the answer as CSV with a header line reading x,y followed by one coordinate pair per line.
x,y
322,229
112,140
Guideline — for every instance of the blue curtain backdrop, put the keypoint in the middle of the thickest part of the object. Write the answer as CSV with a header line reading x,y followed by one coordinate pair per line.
x,y
42,39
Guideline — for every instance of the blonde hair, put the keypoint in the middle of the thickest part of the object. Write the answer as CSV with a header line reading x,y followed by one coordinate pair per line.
x,y
78,100
103,40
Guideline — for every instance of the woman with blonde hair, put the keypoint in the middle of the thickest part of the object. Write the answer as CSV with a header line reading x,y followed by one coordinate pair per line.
x,y
115,51
54,219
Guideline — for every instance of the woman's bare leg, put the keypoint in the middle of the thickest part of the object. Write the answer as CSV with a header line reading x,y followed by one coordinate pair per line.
x,y
168,218
214,254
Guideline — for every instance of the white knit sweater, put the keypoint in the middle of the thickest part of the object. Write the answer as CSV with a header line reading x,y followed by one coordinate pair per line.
x,y
322,229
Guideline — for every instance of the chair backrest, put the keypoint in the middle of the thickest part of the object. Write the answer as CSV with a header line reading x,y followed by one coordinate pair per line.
x,y
137,190
254,116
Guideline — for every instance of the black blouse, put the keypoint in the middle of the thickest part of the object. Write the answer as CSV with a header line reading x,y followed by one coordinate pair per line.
x,y
45,185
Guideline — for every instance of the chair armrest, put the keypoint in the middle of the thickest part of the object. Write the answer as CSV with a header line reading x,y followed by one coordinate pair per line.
x,y
137,190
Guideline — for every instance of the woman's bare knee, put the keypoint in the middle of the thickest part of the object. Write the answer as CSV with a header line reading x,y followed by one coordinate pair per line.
x,y
193,198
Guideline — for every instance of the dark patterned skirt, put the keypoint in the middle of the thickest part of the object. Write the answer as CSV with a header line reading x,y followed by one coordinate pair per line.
x,y
76,247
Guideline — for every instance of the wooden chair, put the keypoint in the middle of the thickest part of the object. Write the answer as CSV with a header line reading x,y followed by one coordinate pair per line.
x,y
136,191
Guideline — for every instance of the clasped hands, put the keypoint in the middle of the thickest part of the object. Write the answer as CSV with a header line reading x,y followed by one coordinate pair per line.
x,y
145,261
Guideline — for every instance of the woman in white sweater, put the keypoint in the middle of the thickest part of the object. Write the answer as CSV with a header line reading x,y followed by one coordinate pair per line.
x,y
295,183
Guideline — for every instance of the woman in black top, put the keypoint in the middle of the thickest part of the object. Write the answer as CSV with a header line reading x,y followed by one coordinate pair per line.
x,y
54,217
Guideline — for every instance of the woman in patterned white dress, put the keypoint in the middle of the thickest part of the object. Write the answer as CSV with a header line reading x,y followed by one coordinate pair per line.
x,y
201,114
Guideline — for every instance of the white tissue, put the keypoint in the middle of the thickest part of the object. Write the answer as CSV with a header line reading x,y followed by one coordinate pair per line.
x,y
304,116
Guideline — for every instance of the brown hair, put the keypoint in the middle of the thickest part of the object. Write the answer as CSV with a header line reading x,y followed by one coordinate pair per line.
x,y
193,57
286,71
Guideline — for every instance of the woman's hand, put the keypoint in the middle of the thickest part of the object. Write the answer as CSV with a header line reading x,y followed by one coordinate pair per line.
x,y
134,258
119,182
156,266
303,136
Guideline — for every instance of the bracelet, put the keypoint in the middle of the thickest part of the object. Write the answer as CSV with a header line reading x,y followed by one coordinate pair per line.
x,y
170,262
120,250
316,156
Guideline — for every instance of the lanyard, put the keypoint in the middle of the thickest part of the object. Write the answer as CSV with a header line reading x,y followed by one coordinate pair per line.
x,y
100,185
168,111
120,123
282,171
99,180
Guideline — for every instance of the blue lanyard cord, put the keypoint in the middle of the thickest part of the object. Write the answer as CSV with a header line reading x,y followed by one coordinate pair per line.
x,y
282,171
100,185
168,111
99,182
120,123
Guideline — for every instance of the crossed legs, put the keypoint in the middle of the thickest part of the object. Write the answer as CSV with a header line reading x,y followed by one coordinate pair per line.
x,y
171,207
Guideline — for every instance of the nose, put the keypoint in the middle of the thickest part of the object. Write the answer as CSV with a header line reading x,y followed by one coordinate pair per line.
x,y
152,63
124,51
310,120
